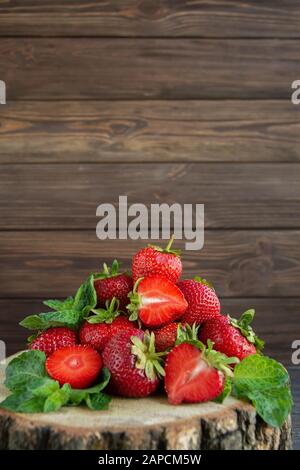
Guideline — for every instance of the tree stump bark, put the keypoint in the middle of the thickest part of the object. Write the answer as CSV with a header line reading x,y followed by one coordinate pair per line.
x,y
146,424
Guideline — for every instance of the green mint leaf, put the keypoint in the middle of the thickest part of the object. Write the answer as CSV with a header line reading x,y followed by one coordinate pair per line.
x,y
43,321
26,371
79,396
69,312
226,391
34,322
260,372
57,399
23,402
98,401
265,383
86,297
273,405
59,304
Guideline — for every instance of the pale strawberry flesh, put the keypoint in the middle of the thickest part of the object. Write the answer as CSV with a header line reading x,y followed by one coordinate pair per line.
x,y
189,378
161,301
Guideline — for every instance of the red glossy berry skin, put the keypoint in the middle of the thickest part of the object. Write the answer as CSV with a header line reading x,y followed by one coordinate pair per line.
x,y
189,378
77,365
97,335
203,302
150,262
126,380
165,337
226,338
162,301
53,339
116,286
94,335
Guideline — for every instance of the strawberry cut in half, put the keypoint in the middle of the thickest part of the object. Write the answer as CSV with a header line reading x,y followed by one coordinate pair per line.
x,y
78,366
195,374
110,283
156,301
154,260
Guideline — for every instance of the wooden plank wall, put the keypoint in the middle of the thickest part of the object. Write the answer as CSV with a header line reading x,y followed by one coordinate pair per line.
x,y
163,101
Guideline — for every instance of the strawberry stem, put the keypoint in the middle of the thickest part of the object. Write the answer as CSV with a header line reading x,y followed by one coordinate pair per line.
x,y
168,249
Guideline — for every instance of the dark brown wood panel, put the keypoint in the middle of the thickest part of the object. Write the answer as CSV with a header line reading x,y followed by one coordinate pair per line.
x,y
240,263
263,18
66,196
149,131
90,68
270,322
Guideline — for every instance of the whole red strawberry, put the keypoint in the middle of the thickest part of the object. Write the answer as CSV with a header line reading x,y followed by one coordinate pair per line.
x,y
154,260
133,364
98,334
232,337
110,283
78,366
195,374
166,336
52,339
202,300
156,301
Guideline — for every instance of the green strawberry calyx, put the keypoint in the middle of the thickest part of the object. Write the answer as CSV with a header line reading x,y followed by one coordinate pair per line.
x,y
109,272
168,249
204,282
135,301
107,314
147,359
186,333
244,326
215,358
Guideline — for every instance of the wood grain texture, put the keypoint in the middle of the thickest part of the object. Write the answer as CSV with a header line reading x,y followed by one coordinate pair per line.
x,y
149,131
138,18
66,196
240,263
91,68
277,322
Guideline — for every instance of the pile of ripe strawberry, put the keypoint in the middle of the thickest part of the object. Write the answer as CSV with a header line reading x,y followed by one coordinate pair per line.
x,y
151,327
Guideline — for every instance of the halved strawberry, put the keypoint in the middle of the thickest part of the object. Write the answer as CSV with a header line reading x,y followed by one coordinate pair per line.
x,y
156,301
78,366
194,373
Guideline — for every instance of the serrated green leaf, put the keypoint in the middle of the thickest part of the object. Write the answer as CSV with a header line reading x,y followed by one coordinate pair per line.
x,y
98,402
57,399
26,371
59,304
86,297
264,382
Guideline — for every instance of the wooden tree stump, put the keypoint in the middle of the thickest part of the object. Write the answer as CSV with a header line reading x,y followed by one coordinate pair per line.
x,y
146,424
